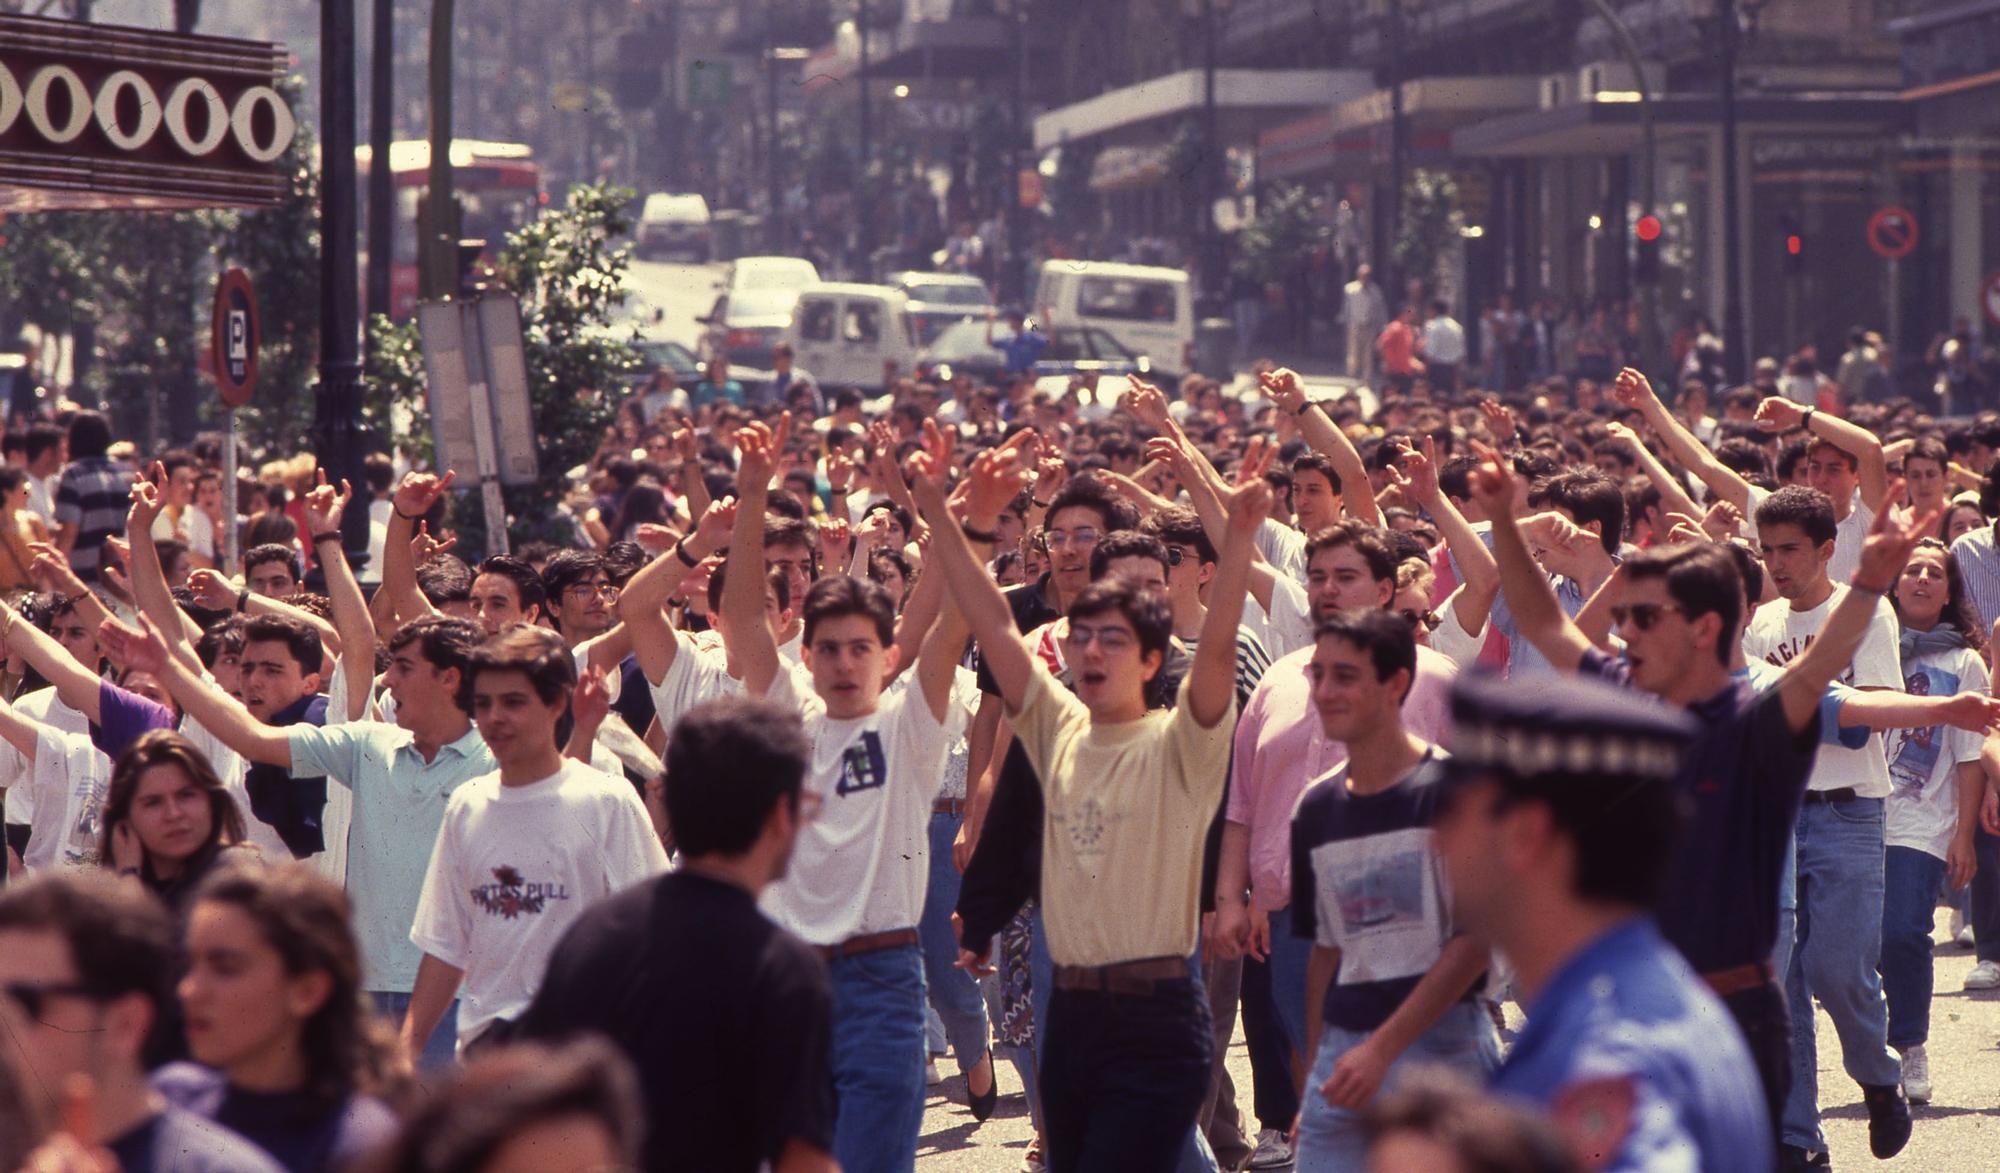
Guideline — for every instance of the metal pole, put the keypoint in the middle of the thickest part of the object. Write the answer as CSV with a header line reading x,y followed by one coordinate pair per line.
x,y
1398,146
439,275
774,179
866,209
231,532
1209,188
589,90
1649,314
1017,221
1734,343
381,194
339,437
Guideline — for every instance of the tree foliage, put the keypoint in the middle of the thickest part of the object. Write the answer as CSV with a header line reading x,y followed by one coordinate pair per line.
x,y
1290,224
1430,224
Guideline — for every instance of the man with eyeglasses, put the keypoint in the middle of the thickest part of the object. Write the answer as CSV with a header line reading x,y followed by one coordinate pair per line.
x,y
87,963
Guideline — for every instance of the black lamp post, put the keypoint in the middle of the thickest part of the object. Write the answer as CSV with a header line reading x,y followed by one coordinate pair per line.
x,y
339,438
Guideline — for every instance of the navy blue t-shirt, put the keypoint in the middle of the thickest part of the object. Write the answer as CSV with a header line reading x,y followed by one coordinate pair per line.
x,y
1744,775
303,1133
1366,881
178,1141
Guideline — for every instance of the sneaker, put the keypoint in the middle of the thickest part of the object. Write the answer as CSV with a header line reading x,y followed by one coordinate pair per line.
x,y
932,1076
1984,976
1888,1119
1961,932
1793,1159
1917,1075
1273,1151
1032,1162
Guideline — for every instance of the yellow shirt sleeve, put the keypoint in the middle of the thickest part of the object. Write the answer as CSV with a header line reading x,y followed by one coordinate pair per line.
x,y
1203,754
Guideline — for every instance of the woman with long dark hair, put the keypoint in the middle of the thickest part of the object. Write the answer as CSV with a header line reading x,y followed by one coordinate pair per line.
x,y
285,1052
1934,804
167,817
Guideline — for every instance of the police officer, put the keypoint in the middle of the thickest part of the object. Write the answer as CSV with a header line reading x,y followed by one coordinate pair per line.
x,y
1557,833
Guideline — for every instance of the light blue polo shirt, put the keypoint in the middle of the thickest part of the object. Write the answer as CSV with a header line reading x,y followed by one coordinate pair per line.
x,y
398,806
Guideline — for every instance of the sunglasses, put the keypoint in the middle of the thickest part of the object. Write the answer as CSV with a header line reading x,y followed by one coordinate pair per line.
x,y
32,999
1176,555
1642,615
1428,619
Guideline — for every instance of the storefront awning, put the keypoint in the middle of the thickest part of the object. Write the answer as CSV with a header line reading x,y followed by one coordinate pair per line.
x,y
1613,128
1246,100
1354,134
96,116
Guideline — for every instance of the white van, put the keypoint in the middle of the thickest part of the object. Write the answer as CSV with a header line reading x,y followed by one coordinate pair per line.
x,y
1148,309
674,227
847,335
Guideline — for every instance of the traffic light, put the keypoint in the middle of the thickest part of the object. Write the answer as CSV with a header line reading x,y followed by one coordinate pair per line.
x,y
1646,256
1794,243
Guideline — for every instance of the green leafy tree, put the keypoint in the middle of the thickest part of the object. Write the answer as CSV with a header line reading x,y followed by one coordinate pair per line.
x,y
1290,224
1430,224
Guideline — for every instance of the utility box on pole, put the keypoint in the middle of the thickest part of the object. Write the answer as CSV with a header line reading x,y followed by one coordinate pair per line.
x,y
481,415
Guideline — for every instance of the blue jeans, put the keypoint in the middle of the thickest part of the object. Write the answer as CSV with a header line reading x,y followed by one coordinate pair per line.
x,y
954,993
1984,900
441,1049
1289,957
1125,1077
1274,1095
1911,881
1839,942
1330,1139
878,1059
1194,1155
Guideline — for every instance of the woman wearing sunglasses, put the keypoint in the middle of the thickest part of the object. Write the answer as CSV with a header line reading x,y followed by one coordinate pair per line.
x,y
1934,806
285,1054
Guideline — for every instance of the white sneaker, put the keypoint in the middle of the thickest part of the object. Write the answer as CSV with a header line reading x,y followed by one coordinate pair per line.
x,y
1984,976
1273,1151
932,1076
1961,933
1917,1075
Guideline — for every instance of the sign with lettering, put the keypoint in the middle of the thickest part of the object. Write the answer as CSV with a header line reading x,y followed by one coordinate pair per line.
x,y
234,338
99,116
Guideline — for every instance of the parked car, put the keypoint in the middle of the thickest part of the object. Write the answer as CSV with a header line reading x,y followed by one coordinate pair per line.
x,y
1150,310
755,307
938,300
849,335
963,349
655,353
674,228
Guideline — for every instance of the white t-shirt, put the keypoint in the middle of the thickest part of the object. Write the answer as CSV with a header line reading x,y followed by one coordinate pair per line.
x,y
958,716
1849,535
1284,547
1291,620
71,777
1922,810
513,867
1450,638
700,672
863,863
45,706
1778,635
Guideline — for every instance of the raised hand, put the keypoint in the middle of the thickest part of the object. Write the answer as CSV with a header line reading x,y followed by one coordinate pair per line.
x,y
1499,420
1974,712
1418,474
1049,477
424,547
655,538
212,590
419,492
1257,458
324,506
938,447
147,501
140,648
684,443
1147,403
1889,545
51,569
1249,505
1778,414
1624,435
1631,389
592,700
995,479
716,522
1284,389
1722,521
834,536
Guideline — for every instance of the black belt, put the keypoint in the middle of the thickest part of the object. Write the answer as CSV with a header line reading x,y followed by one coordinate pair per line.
x,y
1837,795
1125,977
867,943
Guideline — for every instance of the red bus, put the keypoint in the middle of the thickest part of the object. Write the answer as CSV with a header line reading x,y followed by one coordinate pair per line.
x,y
499,188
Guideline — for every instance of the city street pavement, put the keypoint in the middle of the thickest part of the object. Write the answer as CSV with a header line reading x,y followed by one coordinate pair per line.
x,y
1958,1131
679,292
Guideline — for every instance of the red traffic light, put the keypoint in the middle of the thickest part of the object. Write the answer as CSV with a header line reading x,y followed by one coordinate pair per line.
x,y
1648,228
1794,245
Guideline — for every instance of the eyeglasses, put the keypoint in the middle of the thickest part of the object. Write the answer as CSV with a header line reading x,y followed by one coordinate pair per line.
x,y
1058,538
1642,615
1112,640
33,999
1176,555
1428,619
585,590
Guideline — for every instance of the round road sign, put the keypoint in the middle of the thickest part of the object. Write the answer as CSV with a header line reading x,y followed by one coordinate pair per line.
x,y
1892,233
235,338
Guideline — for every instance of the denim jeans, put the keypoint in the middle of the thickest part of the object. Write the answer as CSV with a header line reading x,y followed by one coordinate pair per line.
x,y
1330,1139
1839,942
1194,1155
954,993
1911,881
1289,957
1124,1076
878,1059
1984,913
1274,1094
441,1049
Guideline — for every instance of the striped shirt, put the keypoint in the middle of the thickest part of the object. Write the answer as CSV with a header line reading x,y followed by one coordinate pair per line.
x,y
1979,564
93,495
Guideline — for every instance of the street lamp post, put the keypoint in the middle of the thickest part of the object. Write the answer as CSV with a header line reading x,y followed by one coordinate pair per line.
x,y
864,208
1210,187
337,431
1734,342
1399,132
381,195
1017,216
774,179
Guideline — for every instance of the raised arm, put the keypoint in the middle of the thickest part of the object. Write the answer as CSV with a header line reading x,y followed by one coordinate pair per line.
x,y
1673,496
1536,613
21,732
1778,414
1211,689
1828,654
75,683
51,568
997,478
323,510
642,604
751,643
149,579
414,498
219,593
1631,389
1477,570
1191,466
1357,499
221,714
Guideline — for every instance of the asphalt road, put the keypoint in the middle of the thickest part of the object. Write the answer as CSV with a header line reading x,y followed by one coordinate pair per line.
x,y
1958,1131
679,293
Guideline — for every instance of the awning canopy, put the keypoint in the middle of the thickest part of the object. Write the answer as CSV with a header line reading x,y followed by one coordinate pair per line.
x,y
1611,128
1246,101
1354,134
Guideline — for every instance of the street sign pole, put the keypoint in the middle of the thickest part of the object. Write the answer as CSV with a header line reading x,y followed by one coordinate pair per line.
x,y
234,336
231,532
485,446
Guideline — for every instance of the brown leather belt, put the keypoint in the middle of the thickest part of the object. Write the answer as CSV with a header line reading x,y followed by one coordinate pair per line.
x,y
1124,977
1836,795
867,943
1743,977
948,806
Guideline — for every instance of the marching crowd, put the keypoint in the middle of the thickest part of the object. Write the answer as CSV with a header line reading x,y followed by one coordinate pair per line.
x,y
1057,728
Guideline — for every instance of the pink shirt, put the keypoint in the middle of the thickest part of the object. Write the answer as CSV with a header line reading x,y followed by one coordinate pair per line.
x,y
1280,751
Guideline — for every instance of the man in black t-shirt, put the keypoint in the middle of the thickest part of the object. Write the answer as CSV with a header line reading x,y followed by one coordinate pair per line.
x,y
727,1017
